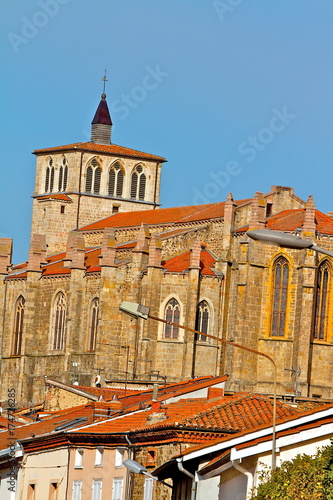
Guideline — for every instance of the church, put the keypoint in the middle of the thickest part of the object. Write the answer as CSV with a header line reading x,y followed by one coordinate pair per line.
x,y
99,237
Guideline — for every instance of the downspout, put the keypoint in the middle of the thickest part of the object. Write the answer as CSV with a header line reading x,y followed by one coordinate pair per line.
x,y
194,484
237,466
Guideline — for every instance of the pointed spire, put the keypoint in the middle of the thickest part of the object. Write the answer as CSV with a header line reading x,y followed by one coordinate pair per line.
x,y
102,124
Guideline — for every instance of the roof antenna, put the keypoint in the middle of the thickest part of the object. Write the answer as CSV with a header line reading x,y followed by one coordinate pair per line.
x,y
104,80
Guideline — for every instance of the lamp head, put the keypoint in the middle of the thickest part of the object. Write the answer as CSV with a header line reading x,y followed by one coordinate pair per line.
x,y
134,466
279,238
135,310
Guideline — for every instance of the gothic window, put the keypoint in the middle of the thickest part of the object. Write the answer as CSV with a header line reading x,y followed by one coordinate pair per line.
x,y
18,326
280,295
93,324
58,322
172,314
49,177
321,301
116,181
93,177
138,184
202,320
63,174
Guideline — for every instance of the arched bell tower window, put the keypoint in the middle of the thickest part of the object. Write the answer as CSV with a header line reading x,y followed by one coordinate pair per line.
x,y
321,300
116,181
280,296
172,314
18,326
58,322
93,177
63,174
138,184
93,324
202,320
49,177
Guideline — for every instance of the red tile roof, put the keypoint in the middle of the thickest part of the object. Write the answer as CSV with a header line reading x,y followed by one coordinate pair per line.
x,y
59,197
290,220
112,149
181,263
161,216
229,414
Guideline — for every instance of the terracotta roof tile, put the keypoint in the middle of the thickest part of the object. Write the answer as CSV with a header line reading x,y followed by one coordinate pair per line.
x,y
176,215
112,149
181,263
58,196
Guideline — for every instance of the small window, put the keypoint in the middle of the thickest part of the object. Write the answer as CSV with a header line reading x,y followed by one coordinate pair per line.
x,y
97,489
117,488
119,457
76,490
99,457
62,209
115,209
78,463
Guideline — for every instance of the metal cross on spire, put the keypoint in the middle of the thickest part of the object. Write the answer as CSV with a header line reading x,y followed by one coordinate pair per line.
x,y
104,79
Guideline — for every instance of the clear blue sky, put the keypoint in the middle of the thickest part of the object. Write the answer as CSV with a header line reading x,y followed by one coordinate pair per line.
x,y
236,94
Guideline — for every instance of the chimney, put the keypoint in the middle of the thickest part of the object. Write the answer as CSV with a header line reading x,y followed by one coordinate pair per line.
x,y
195,255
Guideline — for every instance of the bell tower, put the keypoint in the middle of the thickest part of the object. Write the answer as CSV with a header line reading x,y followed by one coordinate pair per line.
x,y
80,183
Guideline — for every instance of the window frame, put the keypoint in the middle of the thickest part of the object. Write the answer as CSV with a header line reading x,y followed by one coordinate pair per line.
x,y
202,321
322,301
138,183
280,296
58,322
93,320
18,326
169,331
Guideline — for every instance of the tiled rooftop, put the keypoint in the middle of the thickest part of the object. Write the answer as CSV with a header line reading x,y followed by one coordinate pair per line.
x,y
112,149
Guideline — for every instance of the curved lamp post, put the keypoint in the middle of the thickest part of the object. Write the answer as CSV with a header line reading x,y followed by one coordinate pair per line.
x,y
286,240
140,311
137,468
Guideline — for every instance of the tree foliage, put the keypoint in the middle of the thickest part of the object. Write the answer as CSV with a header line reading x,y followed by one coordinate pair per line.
x,y
303,478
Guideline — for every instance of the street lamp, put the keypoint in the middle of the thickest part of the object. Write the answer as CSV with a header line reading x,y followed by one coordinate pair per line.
x,y
140,311
137,468
286,240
